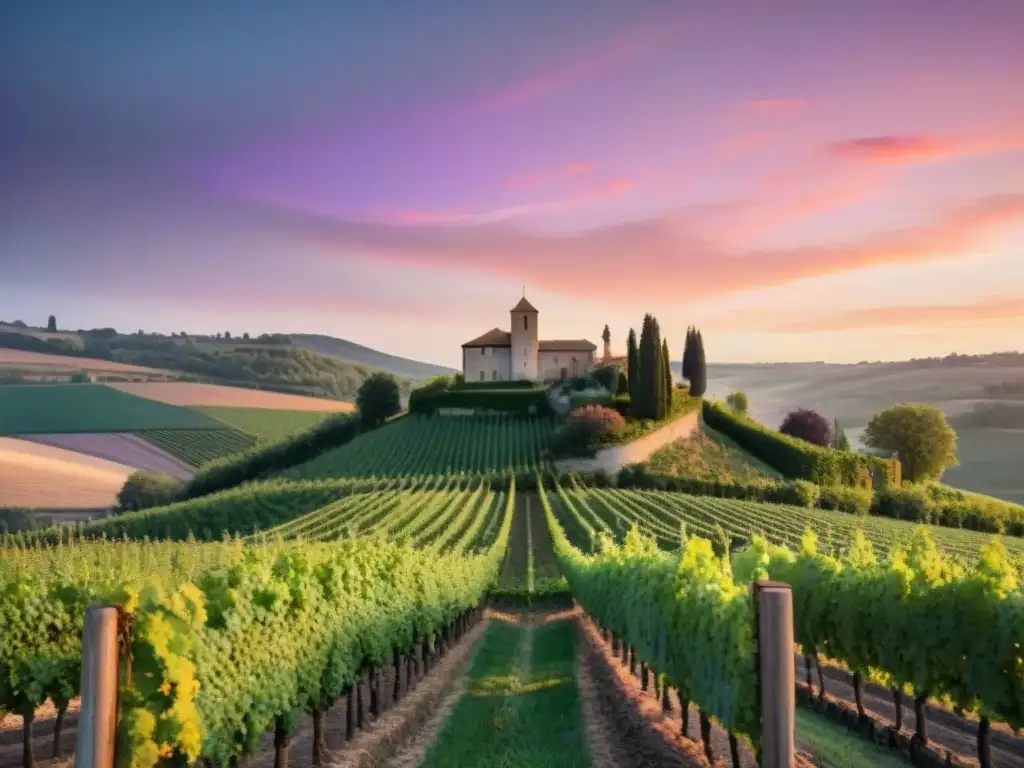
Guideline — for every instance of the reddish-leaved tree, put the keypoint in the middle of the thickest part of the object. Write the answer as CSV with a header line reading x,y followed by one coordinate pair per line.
x,y
807,425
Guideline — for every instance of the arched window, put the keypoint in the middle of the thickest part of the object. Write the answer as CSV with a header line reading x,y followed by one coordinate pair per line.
x,y
481,376
525,328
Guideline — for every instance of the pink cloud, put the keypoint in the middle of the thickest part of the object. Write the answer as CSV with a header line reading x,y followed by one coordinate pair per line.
x,y
923,149
658,259
631,45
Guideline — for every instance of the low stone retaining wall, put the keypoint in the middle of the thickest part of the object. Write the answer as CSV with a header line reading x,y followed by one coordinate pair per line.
x,y
614,458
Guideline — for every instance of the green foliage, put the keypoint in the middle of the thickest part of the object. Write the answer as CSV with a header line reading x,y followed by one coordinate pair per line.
x,y
839,439
14,519
581,399
197,447
919,435
649,401
519,400
854,501
227,640
267,458
684,616
507,384
633,364
688,350
80,377
622,385
659,513
799,459
738,402
934,626
607,376
266,423
416,445
65,408
145,489
698,376
378,399
666,369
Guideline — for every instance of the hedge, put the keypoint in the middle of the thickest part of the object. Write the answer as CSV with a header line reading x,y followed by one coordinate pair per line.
x,y
510,384
521,400
799,459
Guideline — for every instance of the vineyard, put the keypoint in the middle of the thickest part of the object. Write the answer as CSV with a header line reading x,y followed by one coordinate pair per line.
x,y
234,637
588,512
438,445
198,446
265,423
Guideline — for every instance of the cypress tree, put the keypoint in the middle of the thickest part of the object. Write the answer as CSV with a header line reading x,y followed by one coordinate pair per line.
x,y
688,354
699,380
652,376
633,365
667,363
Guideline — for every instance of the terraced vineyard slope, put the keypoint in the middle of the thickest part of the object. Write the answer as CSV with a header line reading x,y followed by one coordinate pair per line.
x,y
438,445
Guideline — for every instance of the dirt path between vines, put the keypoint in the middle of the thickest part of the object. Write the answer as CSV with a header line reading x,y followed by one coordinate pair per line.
x,y
946,730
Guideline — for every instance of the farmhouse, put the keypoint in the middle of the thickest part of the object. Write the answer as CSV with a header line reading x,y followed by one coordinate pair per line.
x,y
519,354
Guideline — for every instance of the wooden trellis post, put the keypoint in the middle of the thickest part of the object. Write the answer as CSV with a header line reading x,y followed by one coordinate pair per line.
x,y
97,722
776,673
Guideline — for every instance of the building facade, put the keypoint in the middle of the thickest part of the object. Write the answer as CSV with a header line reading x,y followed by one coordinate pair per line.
x,y
520,353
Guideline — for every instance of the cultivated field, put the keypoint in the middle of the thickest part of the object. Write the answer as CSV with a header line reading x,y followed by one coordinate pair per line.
x,y
121,448
190,394
267,423
33,475
42,363
64,408
195,447
437,445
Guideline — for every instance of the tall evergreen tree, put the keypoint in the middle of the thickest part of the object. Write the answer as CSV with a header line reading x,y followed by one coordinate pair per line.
x,y
633,365
667,369
51,324
652,376
688,354
699,378
839,439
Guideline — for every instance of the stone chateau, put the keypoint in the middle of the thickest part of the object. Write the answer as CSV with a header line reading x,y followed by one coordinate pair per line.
x,y
520,353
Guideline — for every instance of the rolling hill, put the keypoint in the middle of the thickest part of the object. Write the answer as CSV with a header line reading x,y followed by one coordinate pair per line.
x,y
357,353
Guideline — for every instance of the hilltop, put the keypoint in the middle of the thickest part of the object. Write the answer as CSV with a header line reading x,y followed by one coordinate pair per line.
x,y
306,364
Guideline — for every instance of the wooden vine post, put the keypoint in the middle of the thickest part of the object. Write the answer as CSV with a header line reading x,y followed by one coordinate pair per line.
x,y
776,672
97,721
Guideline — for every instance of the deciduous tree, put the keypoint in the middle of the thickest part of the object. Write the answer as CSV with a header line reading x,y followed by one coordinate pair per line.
x,y
808,425
738,402
378,399
918,435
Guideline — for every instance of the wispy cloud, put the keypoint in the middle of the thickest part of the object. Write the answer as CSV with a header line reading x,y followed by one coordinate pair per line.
x,y
924,149
634,43
550,175
990,310
665,259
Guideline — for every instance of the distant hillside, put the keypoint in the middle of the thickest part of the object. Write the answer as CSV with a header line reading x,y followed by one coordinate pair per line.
x,y
356,353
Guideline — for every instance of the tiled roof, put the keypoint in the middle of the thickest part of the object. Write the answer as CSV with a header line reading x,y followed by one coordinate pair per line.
x,y
493,338
524,306
567,345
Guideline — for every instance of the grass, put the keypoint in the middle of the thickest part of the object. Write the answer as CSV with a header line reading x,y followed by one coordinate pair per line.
x,y
521,707
833,746
199,446
66,408
709,455
531,571
265,423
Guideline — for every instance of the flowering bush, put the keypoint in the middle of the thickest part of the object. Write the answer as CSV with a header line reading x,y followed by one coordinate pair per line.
x,y
585,430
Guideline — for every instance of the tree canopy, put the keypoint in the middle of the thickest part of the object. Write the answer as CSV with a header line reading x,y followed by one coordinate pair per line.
x,y
378,399
738,402
918,435
808,425
633,364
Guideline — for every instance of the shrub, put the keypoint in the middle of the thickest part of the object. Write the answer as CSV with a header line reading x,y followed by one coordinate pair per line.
x,y
621,403
516,400
144,489
14,519
607,376
854,501
799,493
799,459
585,430
581,399
378,399
622,385
919,435
910,503
509,384
738,402
807,425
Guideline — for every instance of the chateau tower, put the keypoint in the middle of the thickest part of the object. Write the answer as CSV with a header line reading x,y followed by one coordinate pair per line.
x,y
524,341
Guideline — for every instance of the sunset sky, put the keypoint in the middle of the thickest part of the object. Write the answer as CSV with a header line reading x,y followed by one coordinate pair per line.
x,y
803,180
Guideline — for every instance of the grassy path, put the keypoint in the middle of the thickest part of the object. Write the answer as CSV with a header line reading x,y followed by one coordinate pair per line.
x,y
522,704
